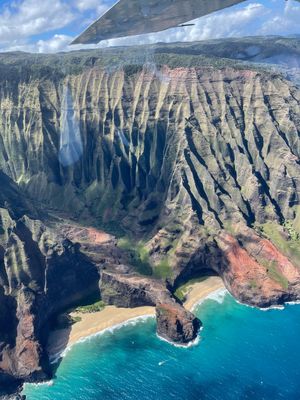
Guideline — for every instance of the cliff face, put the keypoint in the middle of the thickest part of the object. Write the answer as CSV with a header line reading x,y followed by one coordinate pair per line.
x,y
222,141
32,258
198,161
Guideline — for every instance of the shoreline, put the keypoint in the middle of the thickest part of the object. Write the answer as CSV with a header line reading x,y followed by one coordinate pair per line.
x,y
110,318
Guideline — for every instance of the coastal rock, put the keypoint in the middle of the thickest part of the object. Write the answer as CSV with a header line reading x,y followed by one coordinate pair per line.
x,y
41,273
10,387
128,291
256,272
176,324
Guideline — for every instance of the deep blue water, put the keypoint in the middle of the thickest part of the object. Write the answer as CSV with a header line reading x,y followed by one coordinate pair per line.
x,y
244,353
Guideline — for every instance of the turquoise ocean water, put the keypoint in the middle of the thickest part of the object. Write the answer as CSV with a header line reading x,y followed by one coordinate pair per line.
x,y
243,353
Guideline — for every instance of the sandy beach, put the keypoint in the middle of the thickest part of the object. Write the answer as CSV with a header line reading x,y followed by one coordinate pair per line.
x,y
199,290
110,316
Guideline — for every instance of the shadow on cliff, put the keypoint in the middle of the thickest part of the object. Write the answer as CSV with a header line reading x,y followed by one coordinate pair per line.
x,y
59,329
9,386
57,345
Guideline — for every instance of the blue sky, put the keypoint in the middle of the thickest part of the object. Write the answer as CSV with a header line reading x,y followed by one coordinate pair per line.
x,y
50,25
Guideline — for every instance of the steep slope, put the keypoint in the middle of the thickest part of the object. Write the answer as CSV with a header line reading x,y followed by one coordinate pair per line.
x,y
193,160
238,129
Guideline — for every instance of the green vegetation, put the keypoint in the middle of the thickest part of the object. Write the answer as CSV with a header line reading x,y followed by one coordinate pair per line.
x,y
219,54
296,222
253,284
109,291
132,69
182,291
284,237
91,308
175,228
274,273
139,255
163,270
113,228
293,234
230,228
141,261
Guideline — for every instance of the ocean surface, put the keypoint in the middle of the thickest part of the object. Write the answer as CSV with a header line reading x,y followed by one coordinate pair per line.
x,y
243,353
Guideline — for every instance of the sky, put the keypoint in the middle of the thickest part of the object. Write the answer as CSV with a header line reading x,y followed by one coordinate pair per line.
x,y
47,26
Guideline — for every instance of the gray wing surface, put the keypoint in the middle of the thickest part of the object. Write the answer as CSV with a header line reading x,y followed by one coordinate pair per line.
x,y
136,17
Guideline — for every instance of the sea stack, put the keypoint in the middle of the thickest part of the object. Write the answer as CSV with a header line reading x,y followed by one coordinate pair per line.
x,y
176,324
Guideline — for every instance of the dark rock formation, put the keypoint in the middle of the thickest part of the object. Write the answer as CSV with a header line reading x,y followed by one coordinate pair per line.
x,y
41,273
129,291
176,324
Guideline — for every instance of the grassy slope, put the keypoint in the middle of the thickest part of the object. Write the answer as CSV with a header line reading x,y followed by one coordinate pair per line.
x,y
285,238
140,259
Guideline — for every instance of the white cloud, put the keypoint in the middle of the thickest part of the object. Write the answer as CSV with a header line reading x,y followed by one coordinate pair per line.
x,y
56,44
30,17
284,23
226,24
97,5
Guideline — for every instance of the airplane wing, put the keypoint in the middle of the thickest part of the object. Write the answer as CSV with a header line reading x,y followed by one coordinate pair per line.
x,y
136,17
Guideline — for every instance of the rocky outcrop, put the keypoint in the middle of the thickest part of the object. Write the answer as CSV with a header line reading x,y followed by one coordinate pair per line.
x,y
10,387
176,324
129,291
270,278
41,273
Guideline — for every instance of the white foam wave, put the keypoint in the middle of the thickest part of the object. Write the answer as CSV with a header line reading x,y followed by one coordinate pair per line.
x,y
45,383
278,307
293,303
218,296
194,342
283,306
132,321
275,307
